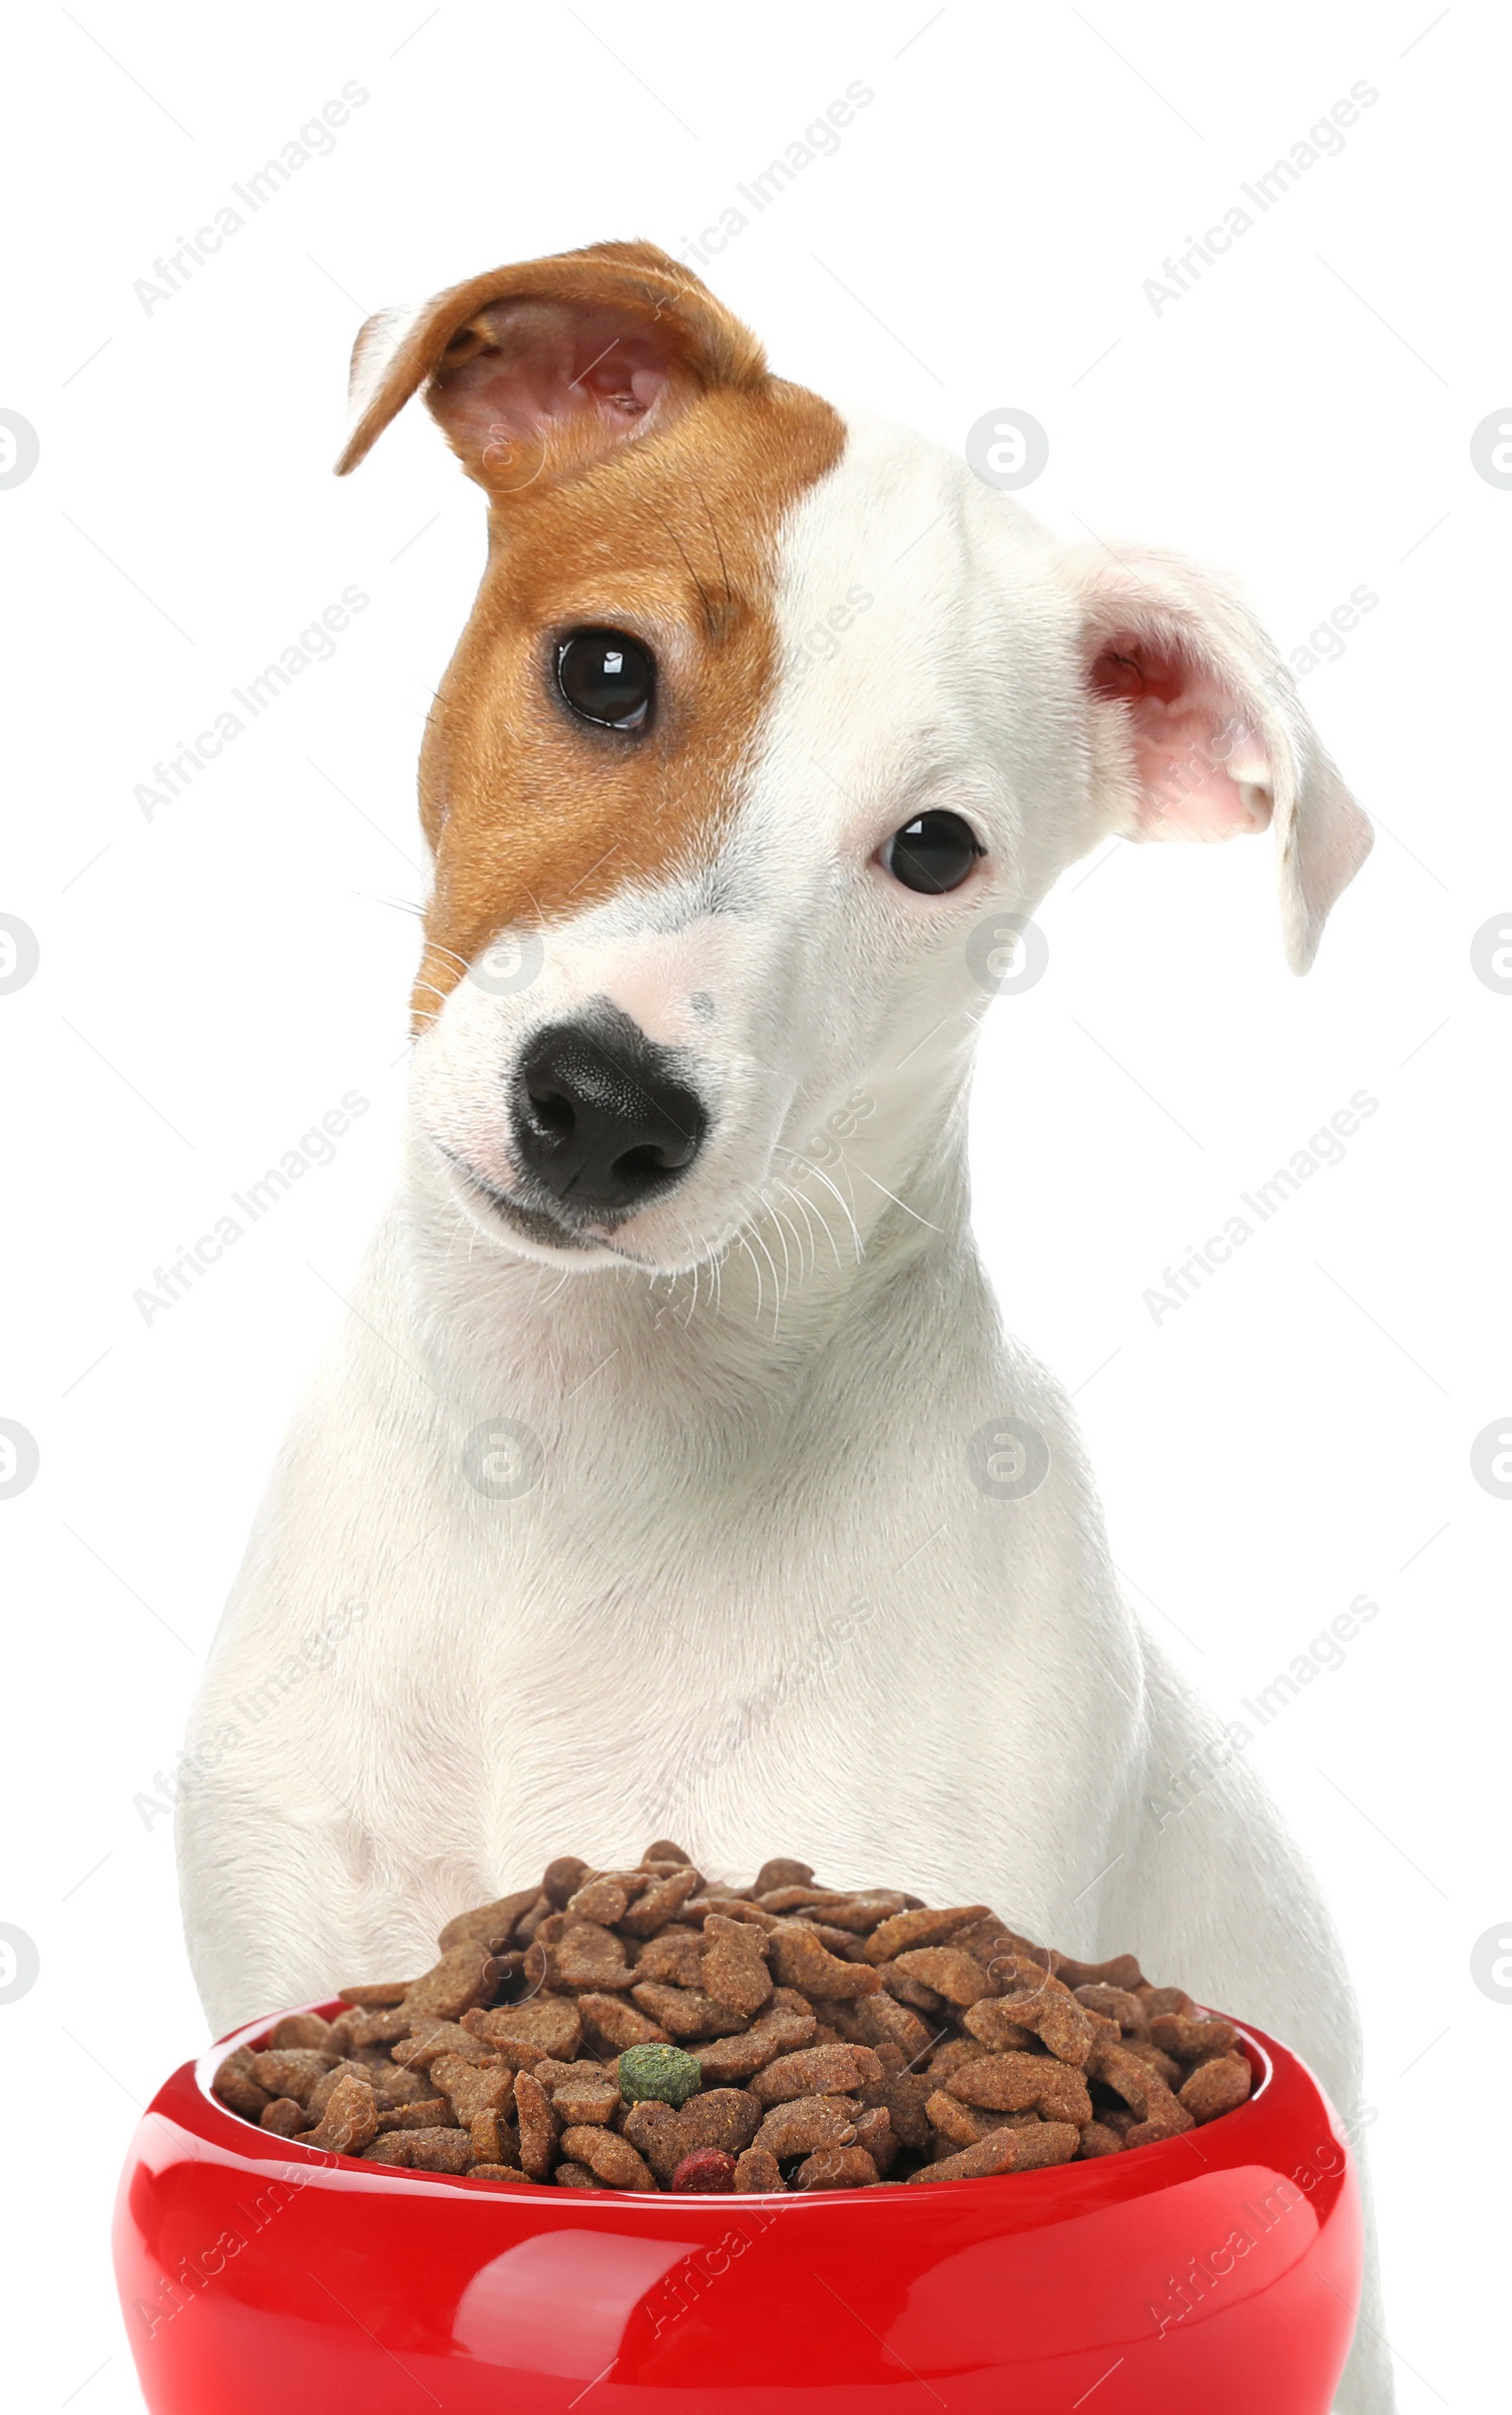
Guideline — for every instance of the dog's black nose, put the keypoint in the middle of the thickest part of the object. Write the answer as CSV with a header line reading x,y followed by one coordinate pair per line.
x,y
600,1116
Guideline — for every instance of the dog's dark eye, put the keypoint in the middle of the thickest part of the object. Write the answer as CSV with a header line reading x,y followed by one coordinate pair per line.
x,y
933,853
607,677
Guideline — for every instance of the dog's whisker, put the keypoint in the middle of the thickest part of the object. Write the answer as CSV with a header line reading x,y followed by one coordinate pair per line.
x,y
777,1285
897,1202
820,1175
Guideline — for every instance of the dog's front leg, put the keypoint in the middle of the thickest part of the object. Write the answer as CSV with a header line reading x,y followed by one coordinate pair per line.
x,y
290,1894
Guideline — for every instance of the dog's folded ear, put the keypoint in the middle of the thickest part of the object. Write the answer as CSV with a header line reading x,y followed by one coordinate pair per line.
x,y
542,369
1197,731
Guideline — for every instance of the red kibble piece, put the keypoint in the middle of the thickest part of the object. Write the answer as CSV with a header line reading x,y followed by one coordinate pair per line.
x,y
707,2170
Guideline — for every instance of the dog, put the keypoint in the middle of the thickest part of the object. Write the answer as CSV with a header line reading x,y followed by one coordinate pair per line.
x,y
671,1474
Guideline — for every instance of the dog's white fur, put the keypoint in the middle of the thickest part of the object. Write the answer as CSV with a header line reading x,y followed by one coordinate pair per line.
x,y
753,1596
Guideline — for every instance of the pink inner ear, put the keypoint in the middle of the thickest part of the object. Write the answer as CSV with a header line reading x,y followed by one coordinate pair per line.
x,y
1188,739
527,371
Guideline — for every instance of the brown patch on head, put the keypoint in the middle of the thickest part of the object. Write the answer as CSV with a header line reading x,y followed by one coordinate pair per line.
x,y
639,461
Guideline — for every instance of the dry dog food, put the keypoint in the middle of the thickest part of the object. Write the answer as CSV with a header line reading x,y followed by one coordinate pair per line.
x,y
645,2029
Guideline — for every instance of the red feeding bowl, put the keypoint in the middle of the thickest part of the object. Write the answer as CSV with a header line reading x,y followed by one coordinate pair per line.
x,y
1216,2271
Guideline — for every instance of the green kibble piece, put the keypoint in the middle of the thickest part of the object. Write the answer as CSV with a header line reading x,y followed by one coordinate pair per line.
x,y
661,2075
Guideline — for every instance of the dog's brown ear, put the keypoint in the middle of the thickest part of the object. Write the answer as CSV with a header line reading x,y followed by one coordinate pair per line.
x,y
1198,731
541,369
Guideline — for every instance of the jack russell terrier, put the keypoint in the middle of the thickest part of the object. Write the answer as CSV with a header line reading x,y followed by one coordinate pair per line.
x,y
671,1474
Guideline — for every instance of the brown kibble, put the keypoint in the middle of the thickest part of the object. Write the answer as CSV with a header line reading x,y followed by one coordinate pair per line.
x,y
778,2031
350,2121
686,2013
961,2124
573,2176
807,2124
1122,1971
782,1873
817,2071
1115,2004
904,1931
910,1991
951,1974
838,2167
605,1896
437,2150
660,1904
589,1955
611,2159
798,1960
733,1969
489,1924
538,2127
1216,2087
1097,2139
1142,2090
390,2147
490,2138
864,1910
731,1907
663,1850
464,1976
792,1898
1159,2000
991,2022
474,2088
320,2095
526,1925
874,2132
392,2083
885,2021
283,2117
619,2024
382,1991
433,2039
757,2170
997,2152
293,2072
562,1879
235,2085
675,1958
1189,2041
1017,2083
1045,2143
500,2175
991,1943
432,2112
1054,2014
955,2051
301,2029
383,2026
586,2096
907,2097
548,2025
1148,2052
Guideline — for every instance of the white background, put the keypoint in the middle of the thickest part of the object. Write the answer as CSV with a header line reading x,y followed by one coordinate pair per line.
x,y
213,978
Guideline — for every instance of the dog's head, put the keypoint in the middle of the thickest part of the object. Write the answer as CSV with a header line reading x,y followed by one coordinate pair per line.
x,y
765,725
